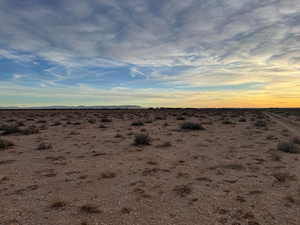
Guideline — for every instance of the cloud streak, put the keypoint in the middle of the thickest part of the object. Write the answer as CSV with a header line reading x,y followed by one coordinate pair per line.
x,y
171,44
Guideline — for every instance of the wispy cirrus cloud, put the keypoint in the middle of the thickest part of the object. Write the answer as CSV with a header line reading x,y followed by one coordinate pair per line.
x,y
158,44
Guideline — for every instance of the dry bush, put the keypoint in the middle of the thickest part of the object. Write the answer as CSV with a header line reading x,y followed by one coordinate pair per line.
x,y
288,146
91,121
183,190
30,130
58,204
102,126
4,144
142,139
242,120
227,122
165,144
283,176
296,140
44,146
106,120
260,123
119,136
191,126
137,123
90,209
108,175
9,129
275,156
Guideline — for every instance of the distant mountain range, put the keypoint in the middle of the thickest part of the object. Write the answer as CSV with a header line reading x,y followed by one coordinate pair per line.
x,y
76,107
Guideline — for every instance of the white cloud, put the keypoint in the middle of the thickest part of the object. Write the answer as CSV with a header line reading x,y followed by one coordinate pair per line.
x,y
219,42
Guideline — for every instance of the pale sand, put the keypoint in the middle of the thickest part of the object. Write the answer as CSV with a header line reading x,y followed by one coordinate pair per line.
x,y
225,174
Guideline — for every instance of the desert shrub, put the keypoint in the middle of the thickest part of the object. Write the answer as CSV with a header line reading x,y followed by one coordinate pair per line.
x,y
90,209
283,176
9,129
44,146
57,123
108,175
5,144
275,156
233,166
271,137
191,126
29,130
20,124
92,121
260,123
227,122
106,120
119,136
11,120
165,144
58,204
142,139
137,123
242,120
183,190
180,118
288,146
41,121
102,126
296,140
126,210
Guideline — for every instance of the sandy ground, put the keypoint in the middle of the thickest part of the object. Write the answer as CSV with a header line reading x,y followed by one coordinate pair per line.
x,y
89,172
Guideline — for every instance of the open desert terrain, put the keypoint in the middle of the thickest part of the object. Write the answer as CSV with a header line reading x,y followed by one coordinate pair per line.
x,y
150,167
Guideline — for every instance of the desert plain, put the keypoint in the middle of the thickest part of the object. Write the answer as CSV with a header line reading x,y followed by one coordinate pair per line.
x,y
150,167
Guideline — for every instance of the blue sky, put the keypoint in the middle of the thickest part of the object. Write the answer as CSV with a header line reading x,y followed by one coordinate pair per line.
x,y
193,53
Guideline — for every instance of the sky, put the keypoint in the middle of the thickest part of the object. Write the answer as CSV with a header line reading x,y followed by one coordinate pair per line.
x,y
152,53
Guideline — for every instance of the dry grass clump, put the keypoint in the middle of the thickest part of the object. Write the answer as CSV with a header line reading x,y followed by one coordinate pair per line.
x,y
106,120
283,176
180,118
260,123
58,204
14,129
296,140
9,129
57,123
191,126
108,175
137,123
4,144
91,121
233,166
242,120
290,146
44,146
165,144
102,126
182,190
119,136
142,139
275,156
126,210
227,122
89,209
30,130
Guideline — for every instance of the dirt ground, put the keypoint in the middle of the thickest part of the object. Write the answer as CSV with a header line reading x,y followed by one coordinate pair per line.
x,y
85,168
